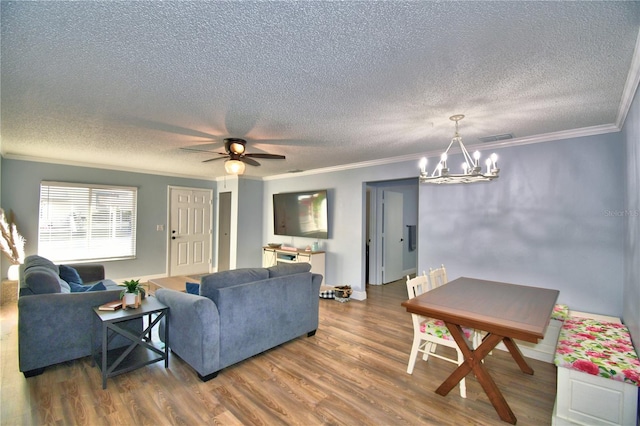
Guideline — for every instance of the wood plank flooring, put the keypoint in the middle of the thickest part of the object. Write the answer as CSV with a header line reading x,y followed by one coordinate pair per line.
x,y
352,372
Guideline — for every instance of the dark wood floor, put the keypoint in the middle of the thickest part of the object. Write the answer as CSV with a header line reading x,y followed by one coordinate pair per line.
x,y
352,372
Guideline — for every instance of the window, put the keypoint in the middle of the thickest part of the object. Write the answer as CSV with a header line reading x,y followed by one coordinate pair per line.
x,y
80,222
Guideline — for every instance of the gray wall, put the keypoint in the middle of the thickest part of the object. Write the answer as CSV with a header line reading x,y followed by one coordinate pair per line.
x,y
546,222
250,223
631,288
21,189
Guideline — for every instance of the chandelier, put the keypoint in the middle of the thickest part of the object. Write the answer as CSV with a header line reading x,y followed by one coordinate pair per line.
x,y
471,169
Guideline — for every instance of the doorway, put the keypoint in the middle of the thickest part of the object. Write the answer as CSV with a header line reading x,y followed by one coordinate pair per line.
x,y
224,231
190,225
388,254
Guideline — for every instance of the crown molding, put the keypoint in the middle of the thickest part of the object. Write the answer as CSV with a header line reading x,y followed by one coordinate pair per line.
x,y
630,86
546,137
102,167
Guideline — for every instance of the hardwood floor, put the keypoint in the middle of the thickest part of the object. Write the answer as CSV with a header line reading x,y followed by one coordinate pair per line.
x,y
352,372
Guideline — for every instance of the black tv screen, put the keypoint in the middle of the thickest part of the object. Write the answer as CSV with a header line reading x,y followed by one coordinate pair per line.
x,y
301,214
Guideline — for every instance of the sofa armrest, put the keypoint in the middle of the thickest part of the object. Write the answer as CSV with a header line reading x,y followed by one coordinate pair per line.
x,y
57,327
89,272
194,329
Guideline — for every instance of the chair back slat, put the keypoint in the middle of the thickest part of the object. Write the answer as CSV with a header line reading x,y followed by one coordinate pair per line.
x,y
418,285
438,276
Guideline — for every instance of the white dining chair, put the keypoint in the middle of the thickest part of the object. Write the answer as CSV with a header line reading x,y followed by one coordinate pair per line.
x,y
438,277
428,333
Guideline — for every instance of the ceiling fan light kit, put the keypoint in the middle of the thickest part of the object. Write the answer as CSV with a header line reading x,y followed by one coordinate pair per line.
x,y
472,171
235,146
237,157
234,167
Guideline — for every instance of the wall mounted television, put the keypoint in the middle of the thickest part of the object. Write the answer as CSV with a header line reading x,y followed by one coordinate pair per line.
x,y
301,214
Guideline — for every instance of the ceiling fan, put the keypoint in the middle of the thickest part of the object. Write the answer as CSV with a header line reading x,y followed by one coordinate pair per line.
x,y
236,155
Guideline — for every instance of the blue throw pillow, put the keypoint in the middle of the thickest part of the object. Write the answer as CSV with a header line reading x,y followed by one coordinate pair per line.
x,y
97,287
193,288
79,288
69,274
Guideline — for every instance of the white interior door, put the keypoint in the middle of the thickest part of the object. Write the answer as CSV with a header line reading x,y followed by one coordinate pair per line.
x,y
392,232
190,231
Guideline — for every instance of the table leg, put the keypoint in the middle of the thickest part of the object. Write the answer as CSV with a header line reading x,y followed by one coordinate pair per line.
x,y
473,362
517,355
105,346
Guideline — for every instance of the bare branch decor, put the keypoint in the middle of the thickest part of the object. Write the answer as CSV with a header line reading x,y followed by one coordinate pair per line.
x,y
11,242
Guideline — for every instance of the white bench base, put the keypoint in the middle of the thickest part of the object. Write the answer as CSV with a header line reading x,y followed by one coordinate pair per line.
x,y
586,399
545,349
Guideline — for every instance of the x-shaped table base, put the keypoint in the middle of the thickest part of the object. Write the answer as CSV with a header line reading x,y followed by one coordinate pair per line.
x,y
473,362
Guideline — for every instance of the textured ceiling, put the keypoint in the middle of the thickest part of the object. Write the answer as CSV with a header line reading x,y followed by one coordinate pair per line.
x,y
125,84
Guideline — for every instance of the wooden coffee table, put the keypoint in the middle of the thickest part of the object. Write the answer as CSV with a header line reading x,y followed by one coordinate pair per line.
x,y
177,283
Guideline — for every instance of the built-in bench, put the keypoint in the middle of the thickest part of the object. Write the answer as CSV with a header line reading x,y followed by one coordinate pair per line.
x,y
598,373
545,349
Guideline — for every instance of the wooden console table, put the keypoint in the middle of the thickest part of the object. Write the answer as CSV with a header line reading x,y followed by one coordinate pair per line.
x,y
273,256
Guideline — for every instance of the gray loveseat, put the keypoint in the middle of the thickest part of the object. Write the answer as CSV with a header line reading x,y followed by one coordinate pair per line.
x,y
241,313
54,323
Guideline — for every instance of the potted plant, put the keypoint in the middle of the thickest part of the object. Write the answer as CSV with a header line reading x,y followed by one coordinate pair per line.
x,y
131,293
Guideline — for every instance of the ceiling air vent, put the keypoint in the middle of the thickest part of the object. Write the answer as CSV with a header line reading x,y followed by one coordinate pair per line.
x,y
496,138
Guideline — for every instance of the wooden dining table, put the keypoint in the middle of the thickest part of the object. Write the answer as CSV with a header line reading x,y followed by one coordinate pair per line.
x,y
505,311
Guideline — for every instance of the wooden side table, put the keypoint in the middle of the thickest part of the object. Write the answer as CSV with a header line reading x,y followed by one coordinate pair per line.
x,y
9,292
142,351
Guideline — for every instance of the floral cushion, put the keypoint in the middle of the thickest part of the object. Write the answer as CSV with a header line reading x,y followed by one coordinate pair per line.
x,y
439,329
598,348
560,312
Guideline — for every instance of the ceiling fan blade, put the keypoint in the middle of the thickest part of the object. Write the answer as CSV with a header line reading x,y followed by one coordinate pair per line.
x,y
164,127
249,161
269,156
216,158
193,149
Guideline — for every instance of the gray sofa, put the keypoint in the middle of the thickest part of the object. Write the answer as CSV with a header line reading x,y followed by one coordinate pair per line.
x,y
240,313
54,323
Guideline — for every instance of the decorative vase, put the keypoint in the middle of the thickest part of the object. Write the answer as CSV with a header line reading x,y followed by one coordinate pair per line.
x,y
13,273
130,299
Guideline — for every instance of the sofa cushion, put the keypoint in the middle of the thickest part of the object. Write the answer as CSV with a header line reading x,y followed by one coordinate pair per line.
x,y
43,280
79,288
283,269
209,283
39,261
70,274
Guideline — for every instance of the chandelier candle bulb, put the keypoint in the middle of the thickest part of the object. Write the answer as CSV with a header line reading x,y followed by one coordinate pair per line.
x,y
476,156
494,159
488,163
423,165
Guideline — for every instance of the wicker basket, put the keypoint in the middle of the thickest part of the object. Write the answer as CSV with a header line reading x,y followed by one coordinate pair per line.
x,y
342,293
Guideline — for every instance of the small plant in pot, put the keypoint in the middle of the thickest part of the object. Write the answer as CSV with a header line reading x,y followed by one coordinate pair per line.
x,y
131,293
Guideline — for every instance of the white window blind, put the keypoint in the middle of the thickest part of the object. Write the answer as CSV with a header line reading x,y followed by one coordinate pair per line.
x,y
81,222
